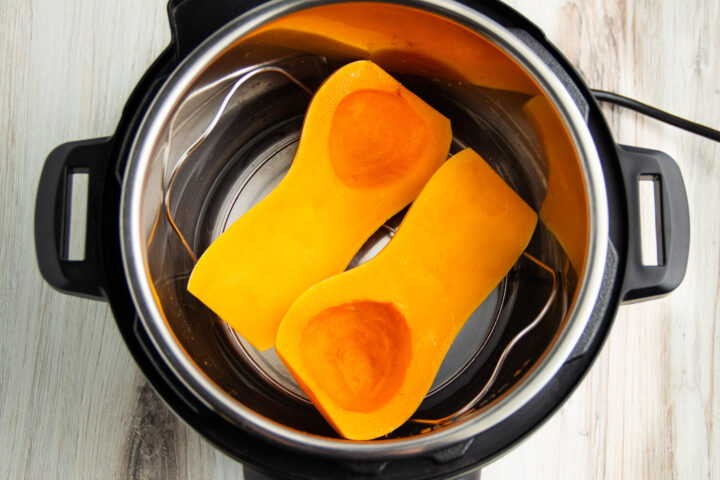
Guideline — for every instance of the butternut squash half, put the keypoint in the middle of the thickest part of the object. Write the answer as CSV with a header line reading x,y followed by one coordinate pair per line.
x,y
367,147
366,345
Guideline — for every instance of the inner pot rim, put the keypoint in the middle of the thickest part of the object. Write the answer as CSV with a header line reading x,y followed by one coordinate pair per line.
x,y
213,397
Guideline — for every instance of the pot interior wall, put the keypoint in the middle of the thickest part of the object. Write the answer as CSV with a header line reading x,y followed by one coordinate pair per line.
x,y
248,151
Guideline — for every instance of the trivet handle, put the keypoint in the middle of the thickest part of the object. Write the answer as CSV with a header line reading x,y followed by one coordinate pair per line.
x,y
52,218
647,281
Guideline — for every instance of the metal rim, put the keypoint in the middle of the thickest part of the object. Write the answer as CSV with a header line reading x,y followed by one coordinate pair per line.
x,y
207,392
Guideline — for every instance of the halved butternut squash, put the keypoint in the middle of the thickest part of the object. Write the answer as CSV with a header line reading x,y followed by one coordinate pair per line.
x,y
367,147
366,344
564,210
400,39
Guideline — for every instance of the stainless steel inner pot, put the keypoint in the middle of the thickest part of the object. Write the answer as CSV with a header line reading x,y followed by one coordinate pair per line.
x,y
221,134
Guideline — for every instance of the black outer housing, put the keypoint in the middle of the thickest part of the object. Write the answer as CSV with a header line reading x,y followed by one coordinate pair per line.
x,y
191,22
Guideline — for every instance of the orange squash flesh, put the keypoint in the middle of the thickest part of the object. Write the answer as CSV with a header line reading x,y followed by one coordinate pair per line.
x,y
366,344
367,148
564,210
399,39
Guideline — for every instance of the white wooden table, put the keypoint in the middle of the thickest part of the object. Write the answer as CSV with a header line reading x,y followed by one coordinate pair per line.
x,y
73,405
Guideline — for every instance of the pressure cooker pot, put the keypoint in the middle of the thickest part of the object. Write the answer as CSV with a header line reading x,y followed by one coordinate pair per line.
x,y
213,127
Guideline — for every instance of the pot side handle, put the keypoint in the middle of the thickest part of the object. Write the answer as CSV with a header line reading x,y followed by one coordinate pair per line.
x,y
672,220
84,277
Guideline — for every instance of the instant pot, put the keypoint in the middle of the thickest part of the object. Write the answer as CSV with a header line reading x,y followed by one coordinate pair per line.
x,y
213,126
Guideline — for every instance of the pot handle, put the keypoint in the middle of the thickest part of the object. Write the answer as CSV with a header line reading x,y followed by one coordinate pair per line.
x,y
52,218
672,218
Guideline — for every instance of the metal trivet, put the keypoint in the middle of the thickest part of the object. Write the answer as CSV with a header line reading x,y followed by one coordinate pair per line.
x,y
242,76
245,75
498,366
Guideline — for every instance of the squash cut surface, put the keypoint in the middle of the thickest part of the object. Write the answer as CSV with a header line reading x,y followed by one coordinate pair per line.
x,y
365,345
367,147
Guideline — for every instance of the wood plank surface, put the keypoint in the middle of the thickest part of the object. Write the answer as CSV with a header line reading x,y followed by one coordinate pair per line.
x,y
74,405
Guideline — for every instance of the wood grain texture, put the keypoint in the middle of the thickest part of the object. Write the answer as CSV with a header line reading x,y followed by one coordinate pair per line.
x,y
74,405
649,407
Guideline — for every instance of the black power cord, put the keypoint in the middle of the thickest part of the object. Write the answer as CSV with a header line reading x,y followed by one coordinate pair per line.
x,y
657,114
